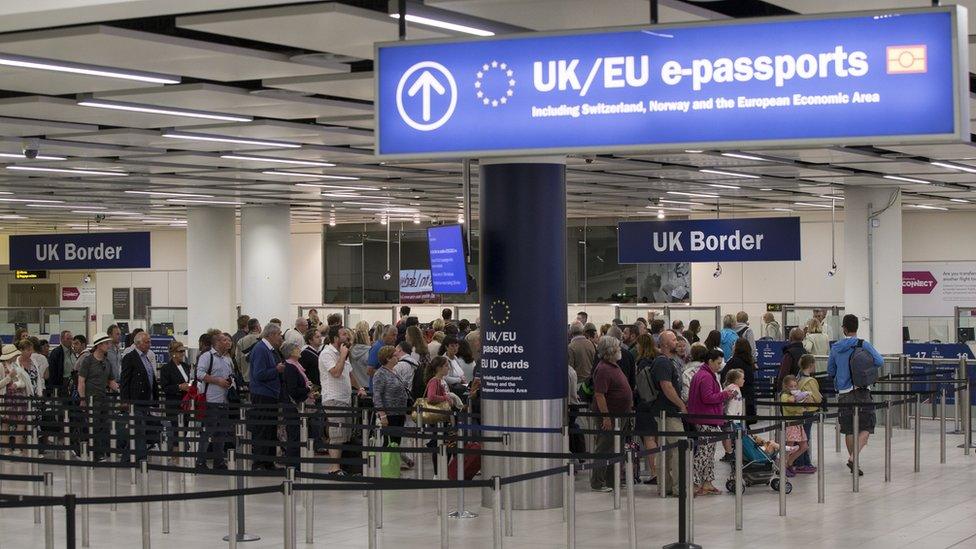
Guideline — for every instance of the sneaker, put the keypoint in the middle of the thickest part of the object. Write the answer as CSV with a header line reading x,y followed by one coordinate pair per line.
x,y
602,489
729,457
805,469
850,466
651,481
790,473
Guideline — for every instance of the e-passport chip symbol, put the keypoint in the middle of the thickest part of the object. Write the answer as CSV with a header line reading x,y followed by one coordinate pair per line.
x,y
907,59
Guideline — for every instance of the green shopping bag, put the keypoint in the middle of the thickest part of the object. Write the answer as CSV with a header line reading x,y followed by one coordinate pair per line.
x,y
390,463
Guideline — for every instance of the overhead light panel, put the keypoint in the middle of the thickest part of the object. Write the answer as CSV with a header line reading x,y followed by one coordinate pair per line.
x,y
692,195
685,202
744,157
32,200
782,210
178,195
38,157
67,206
730,174
150,109
277,160
929,207
959,200
230,139
907,179
336,187
812,205
832,197
430,22
391,210
64,170
694,151
311,175
215,202
959,167
721,186
81,68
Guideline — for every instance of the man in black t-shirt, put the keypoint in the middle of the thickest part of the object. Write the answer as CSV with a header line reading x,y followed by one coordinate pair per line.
x,y
667,378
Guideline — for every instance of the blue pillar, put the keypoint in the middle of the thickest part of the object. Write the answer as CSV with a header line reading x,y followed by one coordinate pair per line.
x,y
523,315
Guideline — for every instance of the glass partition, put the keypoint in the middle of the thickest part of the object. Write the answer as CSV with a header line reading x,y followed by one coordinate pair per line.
x,y
829,316
371,314
470,312
630,313
426,313
965,324
323,310
57,320
930,329
169,321
710,318
597,313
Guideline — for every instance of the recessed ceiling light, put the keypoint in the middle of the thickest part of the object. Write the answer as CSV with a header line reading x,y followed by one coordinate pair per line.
x,y
430,22
38,157
135,107
765,189
959,200
693,195
64,170
336,187
744,157
80,68
907,179
959,167
782,210
192,201
929,207
277,160
357,196
162,193
721,186
229,139
694,151
811,204
311,175
730,174
33,200
66,206
12,216
397,210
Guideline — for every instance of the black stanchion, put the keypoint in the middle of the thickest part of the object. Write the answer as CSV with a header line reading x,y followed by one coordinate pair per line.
x,y
69,521
683,495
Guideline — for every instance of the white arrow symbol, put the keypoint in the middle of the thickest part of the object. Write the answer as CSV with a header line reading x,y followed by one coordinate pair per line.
x,y
426,82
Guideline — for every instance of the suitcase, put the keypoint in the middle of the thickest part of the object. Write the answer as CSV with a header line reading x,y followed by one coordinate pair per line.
x,y
472,463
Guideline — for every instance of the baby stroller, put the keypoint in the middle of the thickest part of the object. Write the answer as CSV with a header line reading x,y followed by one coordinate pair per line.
x,y
758,466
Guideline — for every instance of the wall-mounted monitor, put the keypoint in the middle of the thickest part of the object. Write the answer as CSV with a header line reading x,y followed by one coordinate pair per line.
x,y
448,269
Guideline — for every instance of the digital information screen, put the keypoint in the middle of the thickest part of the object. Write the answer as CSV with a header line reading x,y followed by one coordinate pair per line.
x,y
449,273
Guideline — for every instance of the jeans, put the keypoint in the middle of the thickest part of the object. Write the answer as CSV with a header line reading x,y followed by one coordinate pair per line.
x,y
216,429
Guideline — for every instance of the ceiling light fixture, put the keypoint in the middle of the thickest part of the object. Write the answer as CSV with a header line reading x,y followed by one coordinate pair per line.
x,y
660,214
311,175
929,207
38,157
694,151
692,195
444,25
744,157
907,179
832,197
33,200
721,186
765,189
66,206
149,109
229,139
782,210
392,210
12,216
730,174
216,202
811,205
276,160
959,200
354,195
336,187
64,170
178,195
959,167
80,68
685,202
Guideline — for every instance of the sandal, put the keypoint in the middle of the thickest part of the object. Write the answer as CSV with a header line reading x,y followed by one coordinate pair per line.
x,y
711,491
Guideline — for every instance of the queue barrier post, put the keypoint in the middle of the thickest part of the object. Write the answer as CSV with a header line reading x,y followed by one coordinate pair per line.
x,y
442,494
856,437
684,541
689,484
33,467
631,501
144,506
821,480
420,457
571,504
85,487
48,512
310,501
113,487
164,485
739,487
507,489
377,472
365,438
70,512
240,483
958,403
231,537
66,434
942,425
618,450
887,442
132,444
968,417
461,512
497,537
288,501
782,468
918,433
662,461
184,447
566,481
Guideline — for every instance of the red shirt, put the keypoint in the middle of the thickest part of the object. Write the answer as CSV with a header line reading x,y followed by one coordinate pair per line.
x,y
611,381
435,391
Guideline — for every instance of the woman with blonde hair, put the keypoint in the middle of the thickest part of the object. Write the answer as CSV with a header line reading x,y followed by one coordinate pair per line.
x,y
361,333
816,342
377,331
15,386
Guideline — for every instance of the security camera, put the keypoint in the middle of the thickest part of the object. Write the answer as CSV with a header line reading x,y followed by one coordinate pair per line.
x,y
99,218
31,148
387,275
588,160
832,271
87,278
718,270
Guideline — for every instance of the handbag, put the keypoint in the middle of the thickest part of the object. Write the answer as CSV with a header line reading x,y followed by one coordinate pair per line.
x,y
195,399
390,463
428,416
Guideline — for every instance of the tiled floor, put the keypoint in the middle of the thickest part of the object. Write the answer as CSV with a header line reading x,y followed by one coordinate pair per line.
x,y
932,509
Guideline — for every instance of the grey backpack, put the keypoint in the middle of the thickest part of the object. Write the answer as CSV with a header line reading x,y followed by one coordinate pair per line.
x,y
864,371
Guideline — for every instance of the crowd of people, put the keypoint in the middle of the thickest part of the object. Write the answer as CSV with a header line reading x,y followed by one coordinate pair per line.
x,y
658,373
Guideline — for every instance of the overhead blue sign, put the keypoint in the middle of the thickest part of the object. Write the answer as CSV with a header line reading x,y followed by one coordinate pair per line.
x,y
707,240
80,251
891,76
448,270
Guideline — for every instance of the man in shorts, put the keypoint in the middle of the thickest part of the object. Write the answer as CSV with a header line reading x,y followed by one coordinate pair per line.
x,y
337,386
839,369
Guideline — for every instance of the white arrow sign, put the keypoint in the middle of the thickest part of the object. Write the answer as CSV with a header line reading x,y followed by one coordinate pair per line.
x,y
434,78
426,82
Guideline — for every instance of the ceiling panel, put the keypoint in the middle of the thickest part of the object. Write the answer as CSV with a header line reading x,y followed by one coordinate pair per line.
x,y
25,126
362,121
69,148
67,110
327,27
290,131
949,151
137,50
355,85
227,99
59,83
154,139
565,14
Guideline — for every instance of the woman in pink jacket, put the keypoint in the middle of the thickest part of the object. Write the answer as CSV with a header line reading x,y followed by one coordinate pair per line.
x,y
706,397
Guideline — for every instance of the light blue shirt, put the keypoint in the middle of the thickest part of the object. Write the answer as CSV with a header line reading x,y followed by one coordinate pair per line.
x,y
222,367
